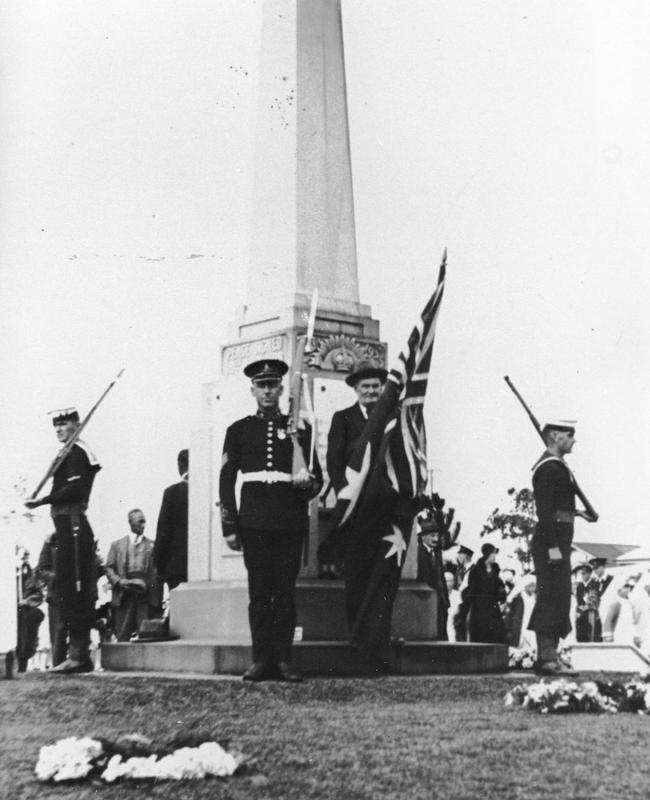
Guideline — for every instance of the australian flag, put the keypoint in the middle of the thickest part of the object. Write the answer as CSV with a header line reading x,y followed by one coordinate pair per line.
x,y
386,474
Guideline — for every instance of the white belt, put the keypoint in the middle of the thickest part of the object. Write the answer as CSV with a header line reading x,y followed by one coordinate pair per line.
x,y
266,476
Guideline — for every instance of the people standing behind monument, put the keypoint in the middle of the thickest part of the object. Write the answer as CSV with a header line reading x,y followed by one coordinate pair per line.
x,y
554,490
454,605
271,519
430,570
367,380
459,565
586,596
481,598
136,594
170,553
640,599
518,609
76,578
600,580
617,612
30,616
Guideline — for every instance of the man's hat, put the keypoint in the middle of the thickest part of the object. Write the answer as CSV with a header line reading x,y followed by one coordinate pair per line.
x,y
268,369
580,568
466,550
64,415
138,585
366,369
564,425
597,562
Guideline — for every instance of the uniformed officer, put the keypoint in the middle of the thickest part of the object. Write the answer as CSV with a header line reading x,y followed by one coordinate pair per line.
x,y
75,573
271,520
554,490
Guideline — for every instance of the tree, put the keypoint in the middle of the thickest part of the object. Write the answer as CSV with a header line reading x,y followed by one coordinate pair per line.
x,y
517,523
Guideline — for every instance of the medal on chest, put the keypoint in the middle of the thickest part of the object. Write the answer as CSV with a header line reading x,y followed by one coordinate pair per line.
x,y
282,433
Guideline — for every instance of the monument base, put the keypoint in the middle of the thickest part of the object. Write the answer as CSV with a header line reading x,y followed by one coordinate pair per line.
x,y
218,611
323,659
606,657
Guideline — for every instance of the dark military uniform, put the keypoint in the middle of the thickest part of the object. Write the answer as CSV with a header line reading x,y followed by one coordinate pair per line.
x,y
75,581
30,616
554,491
272,521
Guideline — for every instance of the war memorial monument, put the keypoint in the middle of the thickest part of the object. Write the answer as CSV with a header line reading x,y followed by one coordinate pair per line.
x,y
302,239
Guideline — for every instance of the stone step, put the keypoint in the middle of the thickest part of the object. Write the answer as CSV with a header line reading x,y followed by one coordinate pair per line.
x,y
607,657
218,610
325,658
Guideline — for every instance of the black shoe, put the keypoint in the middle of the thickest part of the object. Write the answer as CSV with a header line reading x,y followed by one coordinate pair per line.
x,y
287,673
256,672
554,669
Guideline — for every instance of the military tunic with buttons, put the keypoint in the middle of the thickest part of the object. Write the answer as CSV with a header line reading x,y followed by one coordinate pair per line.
x,y
271,520
261,449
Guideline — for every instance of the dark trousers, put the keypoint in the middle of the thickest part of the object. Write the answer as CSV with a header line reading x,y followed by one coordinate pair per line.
x,y
272,559
76,580
58,634
132,611
29,620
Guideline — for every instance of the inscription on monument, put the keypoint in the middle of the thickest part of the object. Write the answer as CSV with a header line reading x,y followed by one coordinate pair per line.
x,y
236,356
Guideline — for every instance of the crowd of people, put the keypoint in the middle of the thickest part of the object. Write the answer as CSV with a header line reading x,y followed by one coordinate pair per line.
x,y
493,605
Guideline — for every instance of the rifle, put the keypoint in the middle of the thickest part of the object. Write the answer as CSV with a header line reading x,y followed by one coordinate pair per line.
x,y
589,509
298,378
58,460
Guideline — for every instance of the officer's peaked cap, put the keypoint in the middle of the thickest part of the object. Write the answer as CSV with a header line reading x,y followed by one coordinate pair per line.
x,y
466,550
64,415
266,369
366,369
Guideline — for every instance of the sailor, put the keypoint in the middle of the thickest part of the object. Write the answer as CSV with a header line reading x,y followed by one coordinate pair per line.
x,y
554,490
75,574
271,519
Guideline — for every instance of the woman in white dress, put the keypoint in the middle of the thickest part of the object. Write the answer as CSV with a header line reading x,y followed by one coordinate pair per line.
x,y
617,612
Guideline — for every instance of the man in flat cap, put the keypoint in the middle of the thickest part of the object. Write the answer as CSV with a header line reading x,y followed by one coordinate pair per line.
x,y
346,427
554,490
75,581
271,520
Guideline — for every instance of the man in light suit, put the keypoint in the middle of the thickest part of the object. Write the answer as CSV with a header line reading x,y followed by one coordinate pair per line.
x,y
130,569
367,380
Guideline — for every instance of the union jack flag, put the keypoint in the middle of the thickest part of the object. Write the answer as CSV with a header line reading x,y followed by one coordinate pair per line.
x,y
385,474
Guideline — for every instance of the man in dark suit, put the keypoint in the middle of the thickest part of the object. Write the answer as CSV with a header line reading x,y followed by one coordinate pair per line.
x,y
271,518
170,553
346,427
135,587
600,580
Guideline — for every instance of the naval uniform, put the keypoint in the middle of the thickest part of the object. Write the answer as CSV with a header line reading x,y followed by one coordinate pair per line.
x,y
554,491
75,573
271,520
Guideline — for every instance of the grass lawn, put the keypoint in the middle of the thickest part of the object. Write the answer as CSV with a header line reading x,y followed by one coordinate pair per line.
x,y
439,738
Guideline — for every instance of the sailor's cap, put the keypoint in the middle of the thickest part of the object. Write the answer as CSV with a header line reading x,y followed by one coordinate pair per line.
x,y
267,369
64,415
564,425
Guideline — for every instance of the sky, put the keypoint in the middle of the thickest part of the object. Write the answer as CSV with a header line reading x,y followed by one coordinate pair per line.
x,y
515,134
